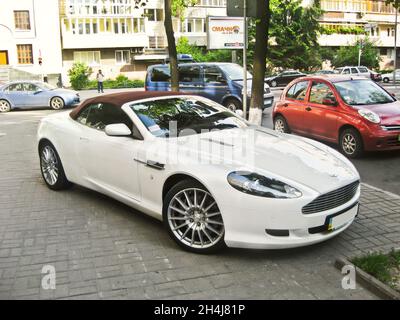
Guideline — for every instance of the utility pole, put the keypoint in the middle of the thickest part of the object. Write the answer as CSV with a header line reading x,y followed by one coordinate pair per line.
x,y
245,58
395,50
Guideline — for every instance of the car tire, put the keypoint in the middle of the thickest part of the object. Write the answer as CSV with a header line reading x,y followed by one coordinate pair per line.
x,y
51,167
233,104
57,103
351,143
281,125
385,80
5,106
192,218
274,84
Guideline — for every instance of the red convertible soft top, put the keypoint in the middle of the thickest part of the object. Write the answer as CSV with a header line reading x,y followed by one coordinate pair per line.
x,y
119,99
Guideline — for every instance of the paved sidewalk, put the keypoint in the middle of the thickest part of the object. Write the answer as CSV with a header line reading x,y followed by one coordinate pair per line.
x,y
103,249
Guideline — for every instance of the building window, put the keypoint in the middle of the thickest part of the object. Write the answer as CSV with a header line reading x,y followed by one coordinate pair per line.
x,y
154,14
25,55
90,58
122,56
22,21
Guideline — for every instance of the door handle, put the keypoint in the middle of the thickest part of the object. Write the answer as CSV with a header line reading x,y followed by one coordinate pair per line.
x,y
308,109
151,164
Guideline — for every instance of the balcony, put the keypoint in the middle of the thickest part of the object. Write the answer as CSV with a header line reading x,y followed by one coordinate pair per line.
x,y
103,33
359,6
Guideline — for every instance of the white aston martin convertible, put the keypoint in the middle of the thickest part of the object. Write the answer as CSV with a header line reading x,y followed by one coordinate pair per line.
x,y
210,176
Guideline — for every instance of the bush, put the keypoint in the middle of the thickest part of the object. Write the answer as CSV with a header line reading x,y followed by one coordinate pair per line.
x,y
120,82
79,75
199,55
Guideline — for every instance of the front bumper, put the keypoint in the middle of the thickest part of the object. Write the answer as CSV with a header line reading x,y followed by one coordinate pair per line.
x,y
278,224
377,139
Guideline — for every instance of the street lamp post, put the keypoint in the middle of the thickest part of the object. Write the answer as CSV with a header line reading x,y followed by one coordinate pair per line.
x,y
244,58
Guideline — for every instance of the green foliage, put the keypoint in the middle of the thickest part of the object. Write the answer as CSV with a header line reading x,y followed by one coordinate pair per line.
x,y
380,265
394,3
79,75
294,31
342,30
120,82
349,55
178,7
200,55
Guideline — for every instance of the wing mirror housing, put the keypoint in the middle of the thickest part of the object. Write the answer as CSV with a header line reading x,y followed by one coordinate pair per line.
x,y
118,130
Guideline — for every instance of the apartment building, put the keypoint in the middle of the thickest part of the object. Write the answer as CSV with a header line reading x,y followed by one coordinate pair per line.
x,y
345,22
120,37
29,32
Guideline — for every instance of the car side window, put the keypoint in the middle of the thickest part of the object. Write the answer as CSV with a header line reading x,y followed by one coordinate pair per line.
x,y
30,87
189,74
99,115
346,71
298,91
213,74
15,87
354,71
319,92
160,74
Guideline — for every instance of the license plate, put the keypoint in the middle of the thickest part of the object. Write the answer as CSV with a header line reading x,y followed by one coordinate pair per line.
x,y
336,222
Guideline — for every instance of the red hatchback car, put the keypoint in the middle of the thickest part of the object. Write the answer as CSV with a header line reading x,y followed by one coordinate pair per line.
x,y
355,113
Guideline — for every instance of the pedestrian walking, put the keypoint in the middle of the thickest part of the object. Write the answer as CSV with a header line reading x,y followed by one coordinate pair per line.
x,y
100,79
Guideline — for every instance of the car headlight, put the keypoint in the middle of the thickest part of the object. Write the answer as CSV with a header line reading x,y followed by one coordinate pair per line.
x,y
258,185
369,115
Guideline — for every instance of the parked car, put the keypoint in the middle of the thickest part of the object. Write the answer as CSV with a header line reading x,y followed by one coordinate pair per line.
x,y
294,192
359,71
322,72
220,82
183,58
33,94
355,113
388,77
283,78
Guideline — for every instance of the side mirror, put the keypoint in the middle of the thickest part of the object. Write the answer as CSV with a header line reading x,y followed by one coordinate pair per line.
x,y
393,94
329,102
118,130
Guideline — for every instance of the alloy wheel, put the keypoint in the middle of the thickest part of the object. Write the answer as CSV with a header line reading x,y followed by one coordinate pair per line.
x,y
194,218
49,165
279,125
4,106
57,103
349,143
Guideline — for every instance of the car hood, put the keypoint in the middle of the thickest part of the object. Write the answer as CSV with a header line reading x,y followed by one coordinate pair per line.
x,y
63,91
388,112
294,159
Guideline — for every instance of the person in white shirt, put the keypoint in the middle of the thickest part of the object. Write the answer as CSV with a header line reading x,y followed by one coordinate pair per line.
x,y
100,79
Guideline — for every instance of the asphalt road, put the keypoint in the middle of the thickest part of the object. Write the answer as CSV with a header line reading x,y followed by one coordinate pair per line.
x,y
379,169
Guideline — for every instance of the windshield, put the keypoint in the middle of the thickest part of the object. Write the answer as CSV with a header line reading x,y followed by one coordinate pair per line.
x,y
185,116
234,71
362,92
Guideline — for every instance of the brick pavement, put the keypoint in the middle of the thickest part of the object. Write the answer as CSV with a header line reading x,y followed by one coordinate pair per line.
x,y
102,249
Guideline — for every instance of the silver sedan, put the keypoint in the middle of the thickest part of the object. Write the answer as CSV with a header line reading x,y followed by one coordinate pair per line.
x,y
33,94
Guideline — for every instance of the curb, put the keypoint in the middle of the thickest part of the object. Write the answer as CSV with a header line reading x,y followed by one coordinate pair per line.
x,y
371,283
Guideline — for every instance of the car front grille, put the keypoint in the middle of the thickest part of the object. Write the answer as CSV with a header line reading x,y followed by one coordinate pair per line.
x,y
332,199
391,127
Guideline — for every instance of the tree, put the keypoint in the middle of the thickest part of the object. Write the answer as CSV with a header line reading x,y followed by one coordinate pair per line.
x,y
349,55
294,34
174,8
259,61
79,75
201,55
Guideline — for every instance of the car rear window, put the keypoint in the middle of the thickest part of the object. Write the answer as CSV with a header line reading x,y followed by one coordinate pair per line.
x,y
160,74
